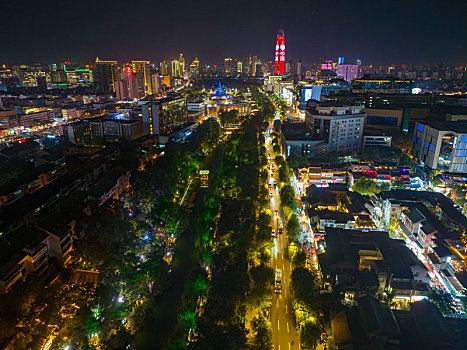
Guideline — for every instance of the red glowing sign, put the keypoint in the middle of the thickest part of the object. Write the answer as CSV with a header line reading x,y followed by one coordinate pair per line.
x,y
279,58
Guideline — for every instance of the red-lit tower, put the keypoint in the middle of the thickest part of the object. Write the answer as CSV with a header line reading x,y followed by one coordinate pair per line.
x,y
280,53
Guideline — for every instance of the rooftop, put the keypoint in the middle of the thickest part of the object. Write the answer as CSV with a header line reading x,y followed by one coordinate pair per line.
x,y
458,126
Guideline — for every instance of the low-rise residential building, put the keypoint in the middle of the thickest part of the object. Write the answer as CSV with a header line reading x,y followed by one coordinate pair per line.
x,y
34,119
372,262
374,138
8,119
113,184
297,140
321,175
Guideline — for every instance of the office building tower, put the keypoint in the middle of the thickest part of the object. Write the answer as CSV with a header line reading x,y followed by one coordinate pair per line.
x,y
327,65
143,70
181,61
239,67
299,67
175,69
105,74
127,86
134,92
279,57
164,116
252,63
259,69
121,90
156,83
228,66
340,60
194,68
348,72
382,85
164,67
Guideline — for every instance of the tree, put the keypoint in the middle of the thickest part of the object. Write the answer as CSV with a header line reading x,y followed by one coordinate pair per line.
x,y
288,196
304,286
299,259
229,117
365,185
398,184
262,335
276,149
310,334
261,277
284,174
293,226
443,301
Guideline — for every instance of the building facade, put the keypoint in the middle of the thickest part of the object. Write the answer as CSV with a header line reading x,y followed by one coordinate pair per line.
x,y
441,145
341,127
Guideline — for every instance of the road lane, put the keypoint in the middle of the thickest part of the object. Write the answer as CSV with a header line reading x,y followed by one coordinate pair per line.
x,y
282,301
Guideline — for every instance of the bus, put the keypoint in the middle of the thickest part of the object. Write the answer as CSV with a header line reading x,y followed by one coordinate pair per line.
x,y
279,224
278,281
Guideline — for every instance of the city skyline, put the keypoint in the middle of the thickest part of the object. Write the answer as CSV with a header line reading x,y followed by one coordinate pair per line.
x,y
402,35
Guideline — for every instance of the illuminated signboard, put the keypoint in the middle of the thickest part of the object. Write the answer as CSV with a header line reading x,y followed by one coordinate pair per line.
x,y
204,177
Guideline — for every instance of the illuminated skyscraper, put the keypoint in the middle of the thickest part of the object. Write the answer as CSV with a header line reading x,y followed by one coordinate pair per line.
x,y
105,75
279,58
181,61
144,68
252,63
164,68
127,86
175,72
194,68
228,66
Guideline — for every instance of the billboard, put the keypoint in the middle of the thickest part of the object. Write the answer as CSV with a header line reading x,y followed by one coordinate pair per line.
x,y
306,93
204,177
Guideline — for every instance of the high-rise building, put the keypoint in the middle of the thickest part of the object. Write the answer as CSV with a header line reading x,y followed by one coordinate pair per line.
x,y
348,72
133,87
299,67
175,71
181,61
156,84
327,65
143,69
228,66
382,85
194,68
127,86
279,58
252,70
121,90
239,67
245,66
164,67
164,116
105,75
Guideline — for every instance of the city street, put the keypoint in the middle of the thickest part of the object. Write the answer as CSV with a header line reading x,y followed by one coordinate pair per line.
x,y
284,333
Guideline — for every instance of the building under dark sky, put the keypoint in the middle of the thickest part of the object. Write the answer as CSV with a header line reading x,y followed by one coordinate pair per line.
x,y
383,31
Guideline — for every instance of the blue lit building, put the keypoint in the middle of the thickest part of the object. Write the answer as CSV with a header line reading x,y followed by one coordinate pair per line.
x,y
441,145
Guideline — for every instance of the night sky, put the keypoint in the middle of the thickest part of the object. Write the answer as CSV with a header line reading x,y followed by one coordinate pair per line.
x,y
376,31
